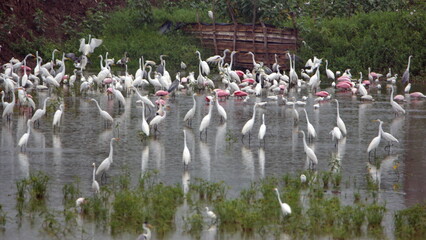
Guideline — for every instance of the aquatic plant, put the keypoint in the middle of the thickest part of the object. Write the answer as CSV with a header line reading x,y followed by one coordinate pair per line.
x,y
71,192
37,184
410,223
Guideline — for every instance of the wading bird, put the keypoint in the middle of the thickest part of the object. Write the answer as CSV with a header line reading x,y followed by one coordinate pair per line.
x,y
249,125
95,184
104,114
206,119
395,106
24,139
340,122
57,116
191,112
186,155
309,152
106,163
39,113
285,208
262,130
147,235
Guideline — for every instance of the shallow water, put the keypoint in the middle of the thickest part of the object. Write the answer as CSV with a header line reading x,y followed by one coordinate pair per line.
x,y
83,139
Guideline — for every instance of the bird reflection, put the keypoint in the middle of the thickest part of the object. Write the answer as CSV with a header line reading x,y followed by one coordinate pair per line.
x,y
247,158
375,174
145,158
186,177
220,138
158,152
24,165
294,138
396,126
205,159
105,135
261,153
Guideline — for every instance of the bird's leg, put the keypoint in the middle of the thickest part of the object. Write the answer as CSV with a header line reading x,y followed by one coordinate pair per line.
x,y
200,134
242,138
249,138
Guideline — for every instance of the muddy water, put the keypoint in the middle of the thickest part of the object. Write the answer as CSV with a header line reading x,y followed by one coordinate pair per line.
x,y
219,156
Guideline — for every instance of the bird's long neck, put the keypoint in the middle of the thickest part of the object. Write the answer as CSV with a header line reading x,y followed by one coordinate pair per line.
x,y
97,104
111,150
391,98
199,56
13,96
148,233
102,59
254,112
409,61
304,140
45,102
307,119
193,98
232,60
380,128
289,58
143,111
338,114
279,198
263,119
29,127
210,108
184,138
252,57
326,64
94,172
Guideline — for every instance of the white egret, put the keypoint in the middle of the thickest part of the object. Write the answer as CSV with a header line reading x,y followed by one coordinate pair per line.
x,y
104,114
311,130
145,126
387,136
203,64
186,155
95,184
395,106
106,163
406,75
210,214
376,140
119,96
205,122
40,112
191,112
340,122
8,110
147,235
330,74
90,46
145,99
24,139
57,116
285,208
220,109
309,152
303,178
157,120
249,124
262,129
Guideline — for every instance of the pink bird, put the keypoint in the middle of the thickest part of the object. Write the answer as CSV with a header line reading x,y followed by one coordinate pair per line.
x,y
366,82
222,94
239,73
160,101
322,94
25,67
343,78
345,85
282,87
161,93
399,98
249,80
107,80
240,94
417,95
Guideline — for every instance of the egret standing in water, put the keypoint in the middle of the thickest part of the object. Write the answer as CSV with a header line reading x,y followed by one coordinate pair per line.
x,y
309,152
24,139
206,120
406,75
262,130
104,114
395,106
39,113
249,125
375,142
108,161
191,112
95,184
340,122
186,155
57,116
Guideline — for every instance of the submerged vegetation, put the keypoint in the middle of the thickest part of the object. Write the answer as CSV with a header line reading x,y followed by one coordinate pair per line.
x,y
318,207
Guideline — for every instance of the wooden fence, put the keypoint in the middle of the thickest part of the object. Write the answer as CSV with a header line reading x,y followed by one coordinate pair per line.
x,y
263,40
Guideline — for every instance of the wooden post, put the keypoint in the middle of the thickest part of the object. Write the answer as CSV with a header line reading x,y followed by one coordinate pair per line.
x,y
265,42
214,29
200,29
254,25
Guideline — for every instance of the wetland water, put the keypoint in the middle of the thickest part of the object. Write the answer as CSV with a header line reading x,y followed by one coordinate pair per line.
x,y
83,139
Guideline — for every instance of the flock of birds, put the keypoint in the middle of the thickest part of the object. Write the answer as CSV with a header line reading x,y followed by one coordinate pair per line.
x,y
271,83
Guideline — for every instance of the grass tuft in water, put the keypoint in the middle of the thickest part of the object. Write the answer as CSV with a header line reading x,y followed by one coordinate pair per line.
x,y
410,223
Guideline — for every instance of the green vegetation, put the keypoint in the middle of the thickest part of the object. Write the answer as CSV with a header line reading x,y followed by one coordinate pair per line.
x,y
410,223
376,40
